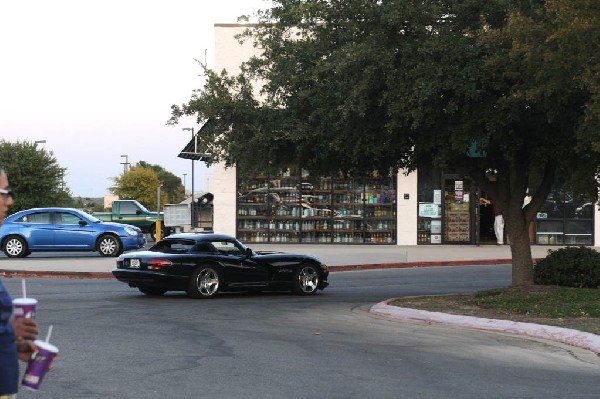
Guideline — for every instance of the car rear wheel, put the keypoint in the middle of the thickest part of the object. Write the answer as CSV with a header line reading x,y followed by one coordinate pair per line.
x,y
152,291
15,247
306,280
109,246
204,282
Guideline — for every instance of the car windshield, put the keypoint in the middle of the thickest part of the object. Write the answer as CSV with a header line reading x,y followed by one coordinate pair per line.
x,y
173,246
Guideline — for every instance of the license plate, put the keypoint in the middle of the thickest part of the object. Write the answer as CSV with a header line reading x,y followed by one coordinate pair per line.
x,y
134,263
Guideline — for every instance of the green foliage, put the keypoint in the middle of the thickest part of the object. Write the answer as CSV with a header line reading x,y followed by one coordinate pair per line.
x,y
34,176
140,184
142,181
172,186
571,267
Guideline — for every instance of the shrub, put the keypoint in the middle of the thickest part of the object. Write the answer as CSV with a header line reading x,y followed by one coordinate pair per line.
x,y
570,267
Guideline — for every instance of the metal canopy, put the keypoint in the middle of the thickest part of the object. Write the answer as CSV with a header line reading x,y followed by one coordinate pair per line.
x,y
194,150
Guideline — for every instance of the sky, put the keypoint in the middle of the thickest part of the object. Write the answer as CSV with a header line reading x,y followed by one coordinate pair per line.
x,y
96,80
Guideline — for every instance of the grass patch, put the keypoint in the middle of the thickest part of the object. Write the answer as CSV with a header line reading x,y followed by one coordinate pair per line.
x,y
576,308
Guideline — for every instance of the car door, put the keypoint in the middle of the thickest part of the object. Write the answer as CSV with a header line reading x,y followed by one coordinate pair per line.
x,y
239,269
37,229
72,232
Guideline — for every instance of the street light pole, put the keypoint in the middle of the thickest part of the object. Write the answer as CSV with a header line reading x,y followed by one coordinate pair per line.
x,y
193,221
39,142
126,163
184,175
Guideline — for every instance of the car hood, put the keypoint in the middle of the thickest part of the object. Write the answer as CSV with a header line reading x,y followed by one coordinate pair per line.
x,y
121,225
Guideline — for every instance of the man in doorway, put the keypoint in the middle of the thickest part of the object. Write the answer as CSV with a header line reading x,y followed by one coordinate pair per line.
x,y
498,225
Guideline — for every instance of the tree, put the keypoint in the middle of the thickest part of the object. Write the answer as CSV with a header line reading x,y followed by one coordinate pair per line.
x,y
358,85
172,186
141,184
34,174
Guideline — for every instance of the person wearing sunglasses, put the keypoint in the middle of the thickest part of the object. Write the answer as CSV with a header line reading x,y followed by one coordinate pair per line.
x,y
16,336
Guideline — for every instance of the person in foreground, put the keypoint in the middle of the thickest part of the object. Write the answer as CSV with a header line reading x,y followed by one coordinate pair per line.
x,y
16,337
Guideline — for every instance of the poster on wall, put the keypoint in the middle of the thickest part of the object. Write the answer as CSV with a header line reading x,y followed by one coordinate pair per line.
x,y
437,197
436,227
458,191
429,210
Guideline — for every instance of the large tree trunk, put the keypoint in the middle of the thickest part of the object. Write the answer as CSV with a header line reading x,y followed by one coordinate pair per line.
x,y
520,246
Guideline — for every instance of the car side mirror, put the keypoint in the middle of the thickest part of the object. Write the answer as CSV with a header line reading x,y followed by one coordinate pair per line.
x,y
248,253
82,223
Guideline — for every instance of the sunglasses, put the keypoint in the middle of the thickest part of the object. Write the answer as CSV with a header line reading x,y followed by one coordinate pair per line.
x,y
6,193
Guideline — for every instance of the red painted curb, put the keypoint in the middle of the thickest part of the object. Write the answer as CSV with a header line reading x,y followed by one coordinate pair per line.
x,y
56,274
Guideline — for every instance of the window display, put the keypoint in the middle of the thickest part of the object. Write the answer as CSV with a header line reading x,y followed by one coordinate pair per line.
x,y
317,210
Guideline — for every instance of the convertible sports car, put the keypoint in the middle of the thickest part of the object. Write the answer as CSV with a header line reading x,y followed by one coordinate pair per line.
x,y
204,264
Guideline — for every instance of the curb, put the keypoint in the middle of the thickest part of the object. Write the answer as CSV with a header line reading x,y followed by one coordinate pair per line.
x,y
337,268
567,336
55,274
399,265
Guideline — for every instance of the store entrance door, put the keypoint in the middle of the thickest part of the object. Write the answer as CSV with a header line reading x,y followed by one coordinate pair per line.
x,y
457,212
486,221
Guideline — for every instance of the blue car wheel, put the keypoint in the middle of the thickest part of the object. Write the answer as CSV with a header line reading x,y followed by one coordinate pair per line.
x,y
109,246
15,247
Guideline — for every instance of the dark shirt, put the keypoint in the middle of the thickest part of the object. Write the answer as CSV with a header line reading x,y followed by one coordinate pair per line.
x,y
496,210
9,363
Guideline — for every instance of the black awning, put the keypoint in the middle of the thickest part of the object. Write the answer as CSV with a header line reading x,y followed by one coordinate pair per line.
x,y
194,149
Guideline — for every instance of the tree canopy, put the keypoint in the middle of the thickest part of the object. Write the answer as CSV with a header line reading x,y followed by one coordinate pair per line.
x,y
141,183
360,85
34,175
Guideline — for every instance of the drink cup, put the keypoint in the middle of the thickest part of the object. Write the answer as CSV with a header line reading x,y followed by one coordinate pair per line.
x,y
38,365
24,308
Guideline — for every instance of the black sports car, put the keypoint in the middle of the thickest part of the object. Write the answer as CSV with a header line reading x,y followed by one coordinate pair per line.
x,y
205,264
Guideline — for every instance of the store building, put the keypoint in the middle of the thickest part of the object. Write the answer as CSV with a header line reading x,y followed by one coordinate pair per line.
x,y
426,207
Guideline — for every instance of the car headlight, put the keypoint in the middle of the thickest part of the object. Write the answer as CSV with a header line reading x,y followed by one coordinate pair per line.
x,y
131,231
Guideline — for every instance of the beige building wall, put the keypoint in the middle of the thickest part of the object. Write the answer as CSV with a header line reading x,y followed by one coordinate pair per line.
x,y
229,55
407,208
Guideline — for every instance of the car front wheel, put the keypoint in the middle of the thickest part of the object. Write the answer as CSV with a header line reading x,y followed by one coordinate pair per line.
x,y
109,246
204,283
15,247
306,280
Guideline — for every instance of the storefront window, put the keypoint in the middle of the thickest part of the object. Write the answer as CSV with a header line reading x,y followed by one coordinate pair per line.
x,y
294,207
565,219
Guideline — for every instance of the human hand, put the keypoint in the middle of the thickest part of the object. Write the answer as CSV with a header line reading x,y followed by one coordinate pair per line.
x,y
26,350
25,329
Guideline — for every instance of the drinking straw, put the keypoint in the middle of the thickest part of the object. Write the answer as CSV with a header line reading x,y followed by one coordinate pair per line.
x,y
24,288
49,333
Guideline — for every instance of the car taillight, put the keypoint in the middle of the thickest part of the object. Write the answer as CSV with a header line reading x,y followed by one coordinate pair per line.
x,y
157,264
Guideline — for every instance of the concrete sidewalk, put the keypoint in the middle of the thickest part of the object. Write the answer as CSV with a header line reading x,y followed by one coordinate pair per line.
x,y
338,257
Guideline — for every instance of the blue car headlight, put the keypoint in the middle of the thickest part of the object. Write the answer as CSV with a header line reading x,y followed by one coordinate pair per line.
x,y
131,231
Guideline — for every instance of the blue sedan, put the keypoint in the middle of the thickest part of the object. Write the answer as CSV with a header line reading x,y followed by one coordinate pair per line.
x,y
65,229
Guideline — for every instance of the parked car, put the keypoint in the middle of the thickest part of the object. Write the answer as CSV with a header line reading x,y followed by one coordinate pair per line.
x,y
204,264
65,229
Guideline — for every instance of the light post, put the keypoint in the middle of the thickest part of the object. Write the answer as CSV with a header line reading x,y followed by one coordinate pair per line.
x,y
184,175
39,142
126,163
193,221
